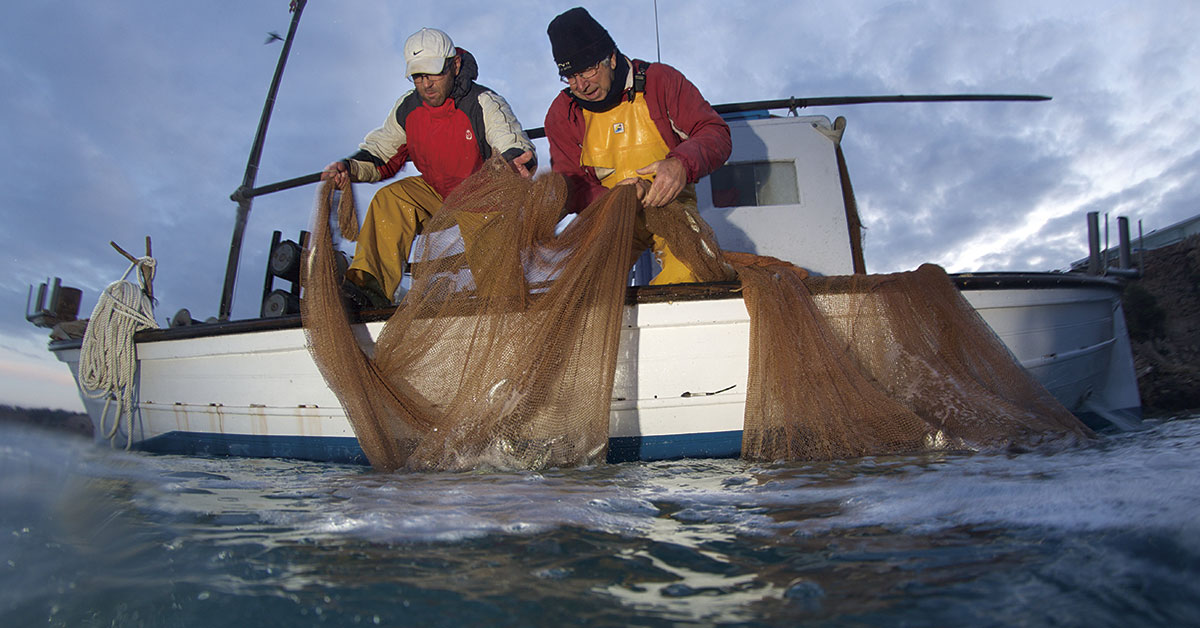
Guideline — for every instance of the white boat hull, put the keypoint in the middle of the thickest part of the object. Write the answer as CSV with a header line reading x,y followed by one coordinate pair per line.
x,y
1069,333
680,387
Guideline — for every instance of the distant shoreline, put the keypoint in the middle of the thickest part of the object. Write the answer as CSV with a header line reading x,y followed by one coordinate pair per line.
x,y
57,420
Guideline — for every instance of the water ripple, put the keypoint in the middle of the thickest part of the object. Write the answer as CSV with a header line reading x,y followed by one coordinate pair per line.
x,y
1103,535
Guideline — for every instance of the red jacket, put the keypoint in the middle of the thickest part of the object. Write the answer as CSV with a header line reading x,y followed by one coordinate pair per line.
x,y
446,143
442,143
672,100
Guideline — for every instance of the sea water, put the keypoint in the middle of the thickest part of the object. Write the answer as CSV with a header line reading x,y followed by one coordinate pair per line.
x,y
1104,535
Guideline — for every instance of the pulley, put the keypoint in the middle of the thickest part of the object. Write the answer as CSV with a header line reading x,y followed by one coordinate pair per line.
x,y
280,303
285,260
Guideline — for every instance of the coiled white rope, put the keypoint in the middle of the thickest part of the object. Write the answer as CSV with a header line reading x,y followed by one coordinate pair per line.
x,y
108,358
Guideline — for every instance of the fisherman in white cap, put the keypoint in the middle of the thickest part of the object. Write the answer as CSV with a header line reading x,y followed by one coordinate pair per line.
x,y
447,125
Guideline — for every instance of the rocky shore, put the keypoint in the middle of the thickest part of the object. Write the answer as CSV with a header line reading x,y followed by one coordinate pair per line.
x,y
1162,309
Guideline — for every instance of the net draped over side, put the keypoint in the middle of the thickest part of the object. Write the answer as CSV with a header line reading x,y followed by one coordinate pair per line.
x,y
927,348
503,353
880,364
806,397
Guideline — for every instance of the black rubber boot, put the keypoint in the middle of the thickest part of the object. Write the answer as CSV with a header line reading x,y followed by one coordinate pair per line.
x,y
364,298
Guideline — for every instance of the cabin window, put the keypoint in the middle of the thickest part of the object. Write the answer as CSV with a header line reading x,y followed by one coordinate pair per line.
x,y
755,183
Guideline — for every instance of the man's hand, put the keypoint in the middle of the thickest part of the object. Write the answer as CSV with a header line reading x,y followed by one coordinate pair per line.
x,y
520,164
642,185
338,172
669,178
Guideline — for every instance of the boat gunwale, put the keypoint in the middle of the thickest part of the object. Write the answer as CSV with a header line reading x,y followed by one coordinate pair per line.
x,y
635,295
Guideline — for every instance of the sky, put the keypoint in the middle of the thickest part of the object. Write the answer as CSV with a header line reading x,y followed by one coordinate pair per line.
x,y
120,120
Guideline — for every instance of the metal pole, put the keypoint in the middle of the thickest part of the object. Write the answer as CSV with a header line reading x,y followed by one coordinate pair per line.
x,y
243,201
657,45
275,187
1106,260
1093,227
1123,242
1141,249
793,104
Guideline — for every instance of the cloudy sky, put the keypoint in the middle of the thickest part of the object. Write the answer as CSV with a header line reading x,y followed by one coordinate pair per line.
x,y
120,120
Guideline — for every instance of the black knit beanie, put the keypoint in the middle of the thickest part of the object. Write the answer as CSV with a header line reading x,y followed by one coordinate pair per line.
x,y
578,41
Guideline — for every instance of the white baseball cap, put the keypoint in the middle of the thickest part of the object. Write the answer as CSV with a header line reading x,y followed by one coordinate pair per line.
x,y
426,52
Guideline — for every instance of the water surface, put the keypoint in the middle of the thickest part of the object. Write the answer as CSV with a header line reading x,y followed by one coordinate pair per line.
x,y
1106,535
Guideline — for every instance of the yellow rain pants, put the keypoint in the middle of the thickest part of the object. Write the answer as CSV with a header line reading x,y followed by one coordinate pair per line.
x,y
394,218
397,214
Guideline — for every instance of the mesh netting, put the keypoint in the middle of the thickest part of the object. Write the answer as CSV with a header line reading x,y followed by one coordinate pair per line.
x,y
503,353
876,364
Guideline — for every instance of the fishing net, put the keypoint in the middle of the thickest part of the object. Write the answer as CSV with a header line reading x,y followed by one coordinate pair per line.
x,y
875,364
503,352
500,355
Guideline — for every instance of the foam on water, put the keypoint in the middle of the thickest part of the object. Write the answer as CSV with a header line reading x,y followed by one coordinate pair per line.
x,y
1130,480
1107,532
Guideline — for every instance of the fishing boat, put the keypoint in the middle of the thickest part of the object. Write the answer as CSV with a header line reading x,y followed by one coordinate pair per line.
x,y
251,388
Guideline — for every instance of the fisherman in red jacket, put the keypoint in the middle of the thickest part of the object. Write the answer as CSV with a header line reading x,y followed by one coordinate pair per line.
x,y
624,121
448,125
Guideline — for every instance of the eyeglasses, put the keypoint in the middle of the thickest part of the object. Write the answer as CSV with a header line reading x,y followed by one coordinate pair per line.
x,y
433,77
585,75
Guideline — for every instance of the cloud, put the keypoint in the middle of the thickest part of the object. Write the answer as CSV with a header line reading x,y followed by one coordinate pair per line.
x,y
133,119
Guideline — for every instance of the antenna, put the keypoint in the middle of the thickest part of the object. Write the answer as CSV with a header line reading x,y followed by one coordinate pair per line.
x,y
657,45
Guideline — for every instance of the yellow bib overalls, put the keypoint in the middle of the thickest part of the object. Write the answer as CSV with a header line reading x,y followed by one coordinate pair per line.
x,y
616,144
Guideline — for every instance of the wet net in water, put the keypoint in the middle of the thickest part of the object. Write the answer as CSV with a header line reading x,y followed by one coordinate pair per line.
x,y
503,352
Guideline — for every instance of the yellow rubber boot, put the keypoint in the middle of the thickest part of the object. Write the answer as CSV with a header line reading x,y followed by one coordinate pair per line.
x,y
673,270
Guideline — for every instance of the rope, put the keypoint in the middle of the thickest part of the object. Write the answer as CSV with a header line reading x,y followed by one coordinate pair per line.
x,y
108,358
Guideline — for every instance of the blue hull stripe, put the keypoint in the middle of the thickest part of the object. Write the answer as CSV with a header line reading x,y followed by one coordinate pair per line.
x,y
346,449
317,448
675,446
